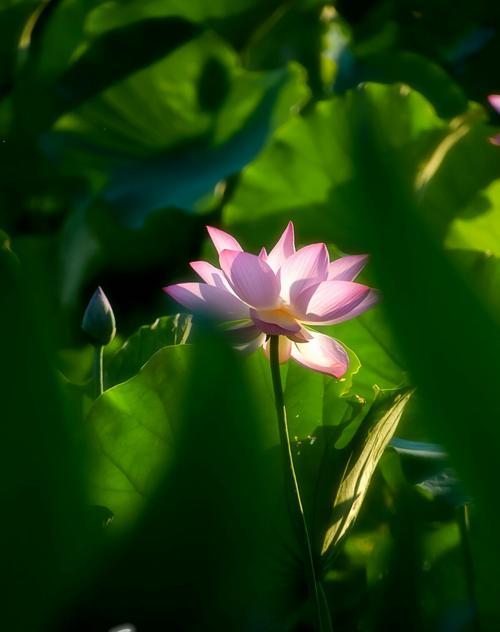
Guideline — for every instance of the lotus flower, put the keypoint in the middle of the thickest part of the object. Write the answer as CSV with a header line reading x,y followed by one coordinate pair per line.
x,y
280,293
494,100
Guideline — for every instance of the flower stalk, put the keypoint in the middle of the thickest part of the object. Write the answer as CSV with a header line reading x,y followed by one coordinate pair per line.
x,y
99,369
292,484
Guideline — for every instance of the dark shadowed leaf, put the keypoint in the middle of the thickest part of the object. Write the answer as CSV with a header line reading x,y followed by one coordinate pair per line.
x,y
43,528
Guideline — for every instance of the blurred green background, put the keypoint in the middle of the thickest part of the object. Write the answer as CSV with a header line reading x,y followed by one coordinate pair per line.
x,y
127,127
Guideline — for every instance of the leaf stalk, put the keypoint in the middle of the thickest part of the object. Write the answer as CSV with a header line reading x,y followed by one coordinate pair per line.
x,y
321,621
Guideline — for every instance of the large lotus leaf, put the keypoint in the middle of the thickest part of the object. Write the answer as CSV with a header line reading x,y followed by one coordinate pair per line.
x,y
154,108
60,72
313,398
482,271
306,171
183,442
414,70
113,14
381,362
144,343
135,426
477,227
167,134
133,430
456,171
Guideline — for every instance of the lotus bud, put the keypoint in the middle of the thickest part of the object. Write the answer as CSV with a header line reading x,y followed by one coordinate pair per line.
x,y
99,321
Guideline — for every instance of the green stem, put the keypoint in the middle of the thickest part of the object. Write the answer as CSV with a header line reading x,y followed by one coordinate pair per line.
x,y
464,526
292,481
99,369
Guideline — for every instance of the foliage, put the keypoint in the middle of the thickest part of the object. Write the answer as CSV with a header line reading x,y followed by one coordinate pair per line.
x,y
125,128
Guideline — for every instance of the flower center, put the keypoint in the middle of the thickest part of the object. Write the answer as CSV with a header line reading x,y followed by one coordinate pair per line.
x,y
279,320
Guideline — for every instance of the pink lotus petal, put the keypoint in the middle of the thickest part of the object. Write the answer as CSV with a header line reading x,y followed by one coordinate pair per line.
x,y
301,336
284,248
223,241
275,321
210,274
335,301
246,336
263,254
252,345
208,299
346,268
321,353
284,349
251,278
307,267
494,100
495,140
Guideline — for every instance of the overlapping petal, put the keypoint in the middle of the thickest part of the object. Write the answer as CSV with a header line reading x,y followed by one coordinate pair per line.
x,y
251,278
335,301
307,267
284,248
277,294
321,353
222,240
210,274
208,299
346,268
275,322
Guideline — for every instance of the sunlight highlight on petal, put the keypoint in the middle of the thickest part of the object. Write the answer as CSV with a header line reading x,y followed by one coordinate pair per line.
x,y
251,278
323,354
222,240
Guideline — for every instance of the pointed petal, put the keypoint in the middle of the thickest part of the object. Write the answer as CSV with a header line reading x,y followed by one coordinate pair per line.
x,y
223,241
263,253
307,267
321,353
335,301
494,100
284,248
210,274
251,278
208,299
285,348
274,322
346,268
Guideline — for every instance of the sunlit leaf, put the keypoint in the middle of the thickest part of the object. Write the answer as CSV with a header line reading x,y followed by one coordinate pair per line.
x,y
306,171
374,437
477,227
148,339
133,430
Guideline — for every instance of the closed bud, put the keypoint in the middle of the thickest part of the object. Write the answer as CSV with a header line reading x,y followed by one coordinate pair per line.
x,y
99,321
